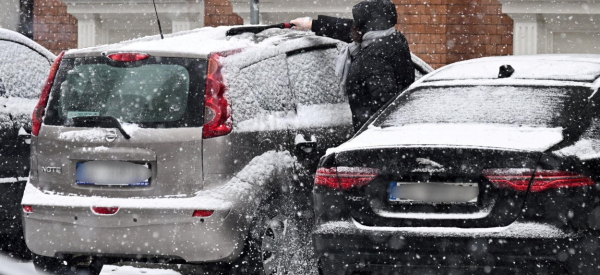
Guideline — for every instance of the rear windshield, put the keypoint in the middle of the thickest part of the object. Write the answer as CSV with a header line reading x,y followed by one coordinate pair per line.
x,y
515,105
165,92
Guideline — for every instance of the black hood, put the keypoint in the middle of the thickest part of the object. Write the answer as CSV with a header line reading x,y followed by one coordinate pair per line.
x,y
374,15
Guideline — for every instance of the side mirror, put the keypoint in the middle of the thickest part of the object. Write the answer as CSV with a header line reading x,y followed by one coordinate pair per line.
x,y
304,147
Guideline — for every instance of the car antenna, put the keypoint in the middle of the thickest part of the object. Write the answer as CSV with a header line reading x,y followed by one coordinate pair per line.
x,y
158,20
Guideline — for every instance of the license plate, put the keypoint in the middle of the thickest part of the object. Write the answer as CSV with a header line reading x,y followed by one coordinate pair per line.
x,y
110,173
433,192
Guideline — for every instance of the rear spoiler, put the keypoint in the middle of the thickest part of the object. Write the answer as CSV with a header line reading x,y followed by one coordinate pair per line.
x,y
257,29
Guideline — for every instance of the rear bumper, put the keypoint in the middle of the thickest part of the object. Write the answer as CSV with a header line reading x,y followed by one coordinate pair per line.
x,y
159,228
522,247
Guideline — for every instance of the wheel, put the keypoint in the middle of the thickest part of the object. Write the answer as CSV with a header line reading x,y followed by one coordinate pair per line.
x,y
64,267
274,243
271,244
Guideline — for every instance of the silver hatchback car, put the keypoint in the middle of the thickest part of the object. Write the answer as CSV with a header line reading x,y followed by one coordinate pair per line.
x,y
199,148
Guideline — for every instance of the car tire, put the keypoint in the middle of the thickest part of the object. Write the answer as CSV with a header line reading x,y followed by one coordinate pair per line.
x,y
267,247
61,267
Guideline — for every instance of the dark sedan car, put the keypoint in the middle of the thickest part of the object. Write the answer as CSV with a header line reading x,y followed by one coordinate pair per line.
x,y
489,166
24,67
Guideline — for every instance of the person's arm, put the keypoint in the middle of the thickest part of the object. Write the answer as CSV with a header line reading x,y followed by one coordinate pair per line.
x,y
336,28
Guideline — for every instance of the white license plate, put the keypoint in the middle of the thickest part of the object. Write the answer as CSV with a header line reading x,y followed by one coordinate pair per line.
x,y
433,192
109,173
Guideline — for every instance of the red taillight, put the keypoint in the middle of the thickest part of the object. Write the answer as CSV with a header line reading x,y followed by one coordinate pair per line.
x,y
128,57
105,210
40,108
519,179
203,213
27,209
345,177
217,100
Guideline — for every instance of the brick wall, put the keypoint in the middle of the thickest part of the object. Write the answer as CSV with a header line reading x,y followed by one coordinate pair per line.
x,y
220,13
53,27
445,31
439,31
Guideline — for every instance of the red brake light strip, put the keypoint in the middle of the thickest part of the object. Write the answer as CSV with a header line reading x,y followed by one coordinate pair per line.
x,y
128,57
519,179
345,177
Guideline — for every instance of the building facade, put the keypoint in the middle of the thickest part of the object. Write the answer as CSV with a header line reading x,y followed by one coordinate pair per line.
x,y
439,31
545,26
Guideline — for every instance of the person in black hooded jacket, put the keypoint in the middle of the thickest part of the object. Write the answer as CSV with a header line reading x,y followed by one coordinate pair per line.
x,y
377,65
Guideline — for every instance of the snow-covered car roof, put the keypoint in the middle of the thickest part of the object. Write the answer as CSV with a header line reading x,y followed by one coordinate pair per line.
x,y
583,69
199,43
16,37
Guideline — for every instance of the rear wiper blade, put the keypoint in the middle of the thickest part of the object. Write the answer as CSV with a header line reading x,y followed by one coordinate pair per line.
x,y
101,122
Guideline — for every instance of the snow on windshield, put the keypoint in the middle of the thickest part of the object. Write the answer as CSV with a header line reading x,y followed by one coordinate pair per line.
x,y
22,74
313,79
531,106
456,135
271,90
22,70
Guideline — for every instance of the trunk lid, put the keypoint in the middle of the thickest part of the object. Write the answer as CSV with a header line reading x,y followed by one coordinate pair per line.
x,y
123,128
436,150
436,186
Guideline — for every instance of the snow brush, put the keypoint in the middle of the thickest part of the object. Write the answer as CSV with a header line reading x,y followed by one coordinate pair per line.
x,y
257,29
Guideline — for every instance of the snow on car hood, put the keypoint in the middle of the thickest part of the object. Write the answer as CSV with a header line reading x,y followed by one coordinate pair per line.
x,y
19,38
456,135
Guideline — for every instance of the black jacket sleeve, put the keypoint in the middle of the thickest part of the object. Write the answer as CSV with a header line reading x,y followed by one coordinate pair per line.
x,y
336,28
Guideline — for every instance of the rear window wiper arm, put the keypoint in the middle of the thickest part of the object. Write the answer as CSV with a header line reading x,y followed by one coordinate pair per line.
x,y
101,122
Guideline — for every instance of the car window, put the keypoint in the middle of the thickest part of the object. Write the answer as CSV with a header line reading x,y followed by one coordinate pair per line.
x,y
313,79
588,144
319,100
260,90
154,93
22,70
520,105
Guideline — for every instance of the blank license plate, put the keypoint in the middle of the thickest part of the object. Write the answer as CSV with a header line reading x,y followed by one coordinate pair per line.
x,y
433,192
112,173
